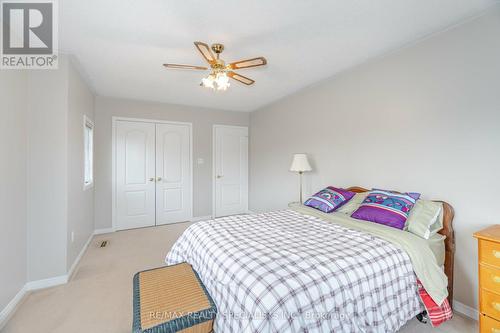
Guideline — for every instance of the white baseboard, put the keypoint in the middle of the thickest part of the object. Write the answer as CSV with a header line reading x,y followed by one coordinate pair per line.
x,y
9,310
251,212
62,279
103,231
47,283
80,255
466,310
201,218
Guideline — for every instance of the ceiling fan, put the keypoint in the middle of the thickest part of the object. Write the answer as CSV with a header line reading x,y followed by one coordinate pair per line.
x,y
218,79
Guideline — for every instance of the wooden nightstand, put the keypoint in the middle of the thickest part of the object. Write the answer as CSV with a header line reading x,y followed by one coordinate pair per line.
x,y
489,279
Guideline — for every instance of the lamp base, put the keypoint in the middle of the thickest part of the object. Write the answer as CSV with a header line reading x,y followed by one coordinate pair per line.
x,y
300,176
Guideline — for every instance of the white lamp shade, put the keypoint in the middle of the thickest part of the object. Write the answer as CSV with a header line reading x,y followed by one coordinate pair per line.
x,y
300,163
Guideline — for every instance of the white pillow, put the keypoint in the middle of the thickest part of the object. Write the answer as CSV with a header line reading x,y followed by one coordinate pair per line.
x,y
425,219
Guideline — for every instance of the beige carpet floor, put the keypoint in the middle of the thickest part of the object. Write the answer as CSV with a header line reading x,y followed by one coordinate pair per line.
x,y
99,296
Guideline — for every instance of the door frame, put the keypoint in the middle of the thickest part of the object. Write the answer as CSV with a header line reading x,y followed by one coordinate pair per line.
x,y
214,175
114,121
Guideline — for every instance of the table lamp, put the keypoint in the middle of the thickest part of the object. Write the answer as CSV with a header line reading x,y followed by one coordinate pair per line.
x,y
300,164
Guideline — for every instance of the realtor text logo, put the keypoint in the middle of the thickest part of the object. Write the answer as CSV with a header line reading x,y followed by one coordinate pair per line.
x,y
29,34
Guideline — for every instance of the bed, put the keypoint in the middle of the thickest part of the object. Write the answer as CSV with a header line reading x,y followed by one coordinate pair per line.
x,y
297,271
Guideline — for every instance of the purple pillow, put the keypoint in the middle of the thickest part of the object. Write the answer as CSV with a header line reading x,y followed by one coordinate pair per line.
x,y
329,199
386,207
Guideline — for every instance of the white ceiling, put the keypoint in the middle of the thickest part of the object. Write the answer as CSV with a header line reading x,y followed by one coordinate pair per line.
x,y
122,44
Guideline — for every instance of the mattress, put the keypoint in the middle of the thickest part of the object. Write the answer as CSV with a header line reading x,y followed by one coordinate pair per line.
x,y
285,271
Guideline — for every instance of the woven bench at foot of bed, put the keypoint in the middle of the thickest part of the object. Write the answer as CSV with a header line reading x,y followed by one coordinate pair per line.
x,y
172,299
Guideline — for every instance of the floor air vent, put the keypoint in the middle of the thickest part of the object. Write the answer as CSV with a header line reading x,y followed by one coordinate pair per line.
x,y
104,243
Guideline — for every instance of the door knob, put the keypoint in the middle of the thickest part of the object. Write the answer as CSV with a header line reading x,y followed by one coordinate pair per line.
x,y
219,176
158,179
152,179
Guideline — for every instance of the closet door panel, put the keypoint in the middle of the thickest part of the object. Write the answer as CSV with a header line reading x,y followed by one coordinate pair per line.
x,y
135,174
173,172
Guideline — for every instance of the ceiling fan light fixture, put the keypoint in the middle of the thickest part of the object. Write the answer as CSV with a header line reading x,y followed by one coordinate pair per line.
x,y
218,79
208,82
222,81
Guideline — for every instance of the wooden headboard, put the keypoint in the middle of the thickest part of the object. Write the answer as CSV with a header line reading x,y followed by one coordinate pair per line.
x,y
449,242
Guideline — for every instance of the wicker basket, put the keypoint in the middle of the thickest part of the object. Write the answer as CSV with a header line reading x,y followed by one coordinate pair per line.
x,y
172,299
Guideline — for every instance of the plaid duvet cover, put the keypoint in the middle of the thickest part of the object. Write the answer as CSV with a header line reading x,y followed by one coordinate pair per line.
x,y
287,272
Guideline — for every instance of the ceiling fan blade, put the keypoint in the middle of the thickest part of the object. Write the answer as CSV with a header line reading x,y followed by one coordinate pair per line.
x,y
177,66
205,51
254,62
240,78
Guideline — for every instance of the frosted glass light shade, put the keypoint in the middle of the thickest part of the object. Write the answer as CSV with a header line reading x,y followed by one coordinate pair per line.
x,y
300,163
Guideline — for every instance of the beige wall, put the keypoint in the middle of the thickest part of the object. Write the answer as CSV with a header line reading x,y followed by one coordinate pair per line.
x,y
47,172
13,188
202,120
57,204
41,169
425,118
80,201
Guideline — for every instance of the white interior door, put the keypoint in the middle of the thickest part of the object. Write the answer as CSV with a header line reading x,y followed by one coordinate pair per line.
x,y
135,174
231,170
173,173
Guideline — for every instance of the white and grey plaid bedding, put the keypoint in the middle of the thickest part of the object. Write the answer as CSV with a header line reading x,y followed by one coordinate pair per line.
x,y
287,272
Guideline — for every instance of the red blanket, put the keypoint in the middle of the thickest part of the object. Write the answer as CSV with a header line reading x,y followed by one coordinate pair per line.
x,y
438,314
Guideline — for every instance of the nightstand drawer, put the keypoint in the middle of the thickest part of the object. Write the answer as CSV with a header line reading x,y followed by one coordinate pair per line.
x,y
490,278
490,304
489,325
489,253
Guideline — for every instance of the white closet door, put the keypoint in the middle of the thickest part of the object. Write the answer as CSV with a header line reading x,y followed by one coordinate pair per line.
x,y
135,174
173,173
231,170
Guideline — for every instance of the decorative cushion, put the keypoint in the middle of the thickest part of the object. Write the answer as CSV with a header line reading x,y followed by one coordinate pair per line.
x,y
414,195
329,199
386,207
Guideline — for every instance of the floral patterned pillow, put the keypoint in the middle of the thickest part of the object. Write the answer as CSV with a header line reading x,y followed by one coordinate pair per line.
x,y
329,199
386,207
